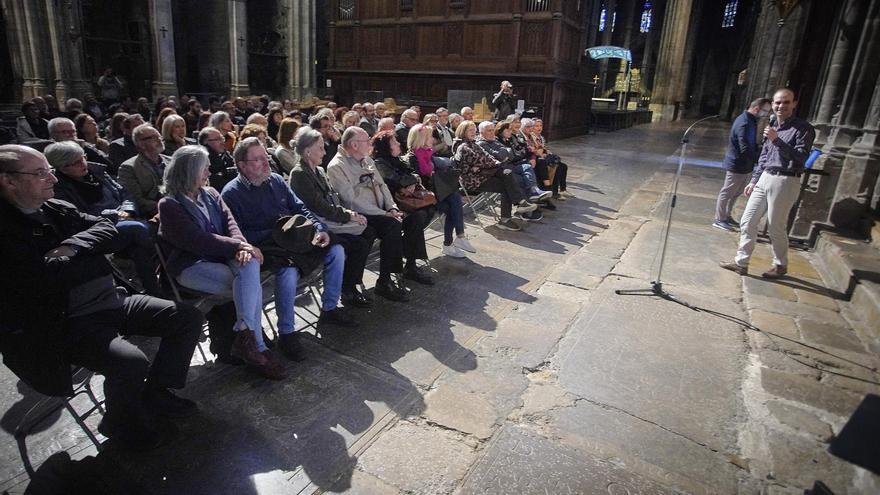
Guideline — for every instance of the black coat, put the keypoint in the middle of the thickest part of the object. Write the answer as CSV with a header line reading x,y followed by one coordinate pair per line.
x,y
34,291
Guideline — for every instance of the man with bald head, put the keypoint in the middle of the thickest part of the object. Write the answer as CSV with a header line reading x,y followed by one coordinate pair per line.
x,y
775,184
59,306
353,175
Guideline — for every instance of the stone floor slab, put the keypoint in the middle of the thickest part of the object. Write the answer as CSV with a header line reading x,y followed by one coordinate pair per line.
x,y
418,459
801,389
830,335
519,461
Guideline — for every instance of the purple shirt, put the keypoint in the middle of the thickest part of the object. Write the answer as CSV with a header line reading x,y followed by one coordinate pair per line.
x,y
789,151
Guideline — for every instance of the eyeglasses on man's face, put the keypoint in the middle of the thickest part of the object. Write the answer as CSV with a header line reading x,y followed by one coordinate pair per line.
x,y
42,174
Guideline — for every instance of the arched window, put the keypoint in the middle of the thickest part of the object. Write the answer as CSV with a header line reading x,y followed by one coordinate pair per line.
x,y
729,17
647,10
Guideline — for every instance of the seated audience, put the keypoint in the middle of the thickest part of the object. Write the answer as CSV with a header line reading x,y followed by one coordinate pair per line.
x,y
380,110
369,122
222,165
87,130
348,228
274,118
141,175
209,254
72,108
444,128
191,117
323,123
360,186
174,134
284,152
224,123
522,155
533,136
93,191
63,129
408,118
124,148
481,172
30,126
58,294
257,199
351,118
115,126
143,109
386,124
163,114
444,185
454,121
521,169
92,107
259,119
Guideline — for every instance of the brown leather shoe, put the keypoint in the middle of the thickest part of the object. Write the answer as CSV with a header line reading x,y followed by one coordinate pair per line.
x,y
273,369
244,347
732,266
776,272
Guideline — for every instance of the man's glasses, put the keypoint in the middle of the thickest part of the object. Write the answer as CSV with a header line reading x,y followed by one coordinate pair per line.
x,y
42,174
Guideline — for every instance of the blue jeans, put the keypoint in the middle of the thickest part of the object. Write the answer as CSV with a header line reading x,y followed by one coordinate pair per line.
x,y
232,279
286,280
451,207
525,177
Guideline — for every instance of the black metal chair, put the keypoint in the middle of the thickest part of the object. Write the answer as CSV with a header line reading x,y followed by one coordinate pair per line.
x,y
49,405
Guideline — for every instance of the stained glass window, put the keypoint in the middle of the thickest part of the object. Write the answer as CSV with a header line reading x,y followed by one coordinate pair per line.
x,y
647,10
602,20
729,14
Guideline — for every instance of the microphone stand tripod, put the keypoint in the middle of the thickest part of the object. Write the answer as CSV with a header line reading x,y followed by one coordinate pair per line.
x,y
656,288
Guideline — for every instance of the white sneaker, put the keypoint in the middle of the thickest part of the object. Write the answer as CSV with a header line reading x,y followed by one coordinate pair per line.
x,y
566,194
452,250
540,196
464,244
525,207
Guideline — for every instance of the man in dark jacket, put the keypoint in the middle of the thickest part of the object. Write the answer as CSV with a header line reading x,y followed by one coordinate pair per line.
x,y
739,160
504,101
222,166
124,148
59,306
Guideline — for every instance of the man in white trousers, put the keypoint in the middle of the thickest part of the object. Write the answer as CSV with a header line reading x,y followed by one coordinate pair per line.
x,y
775,184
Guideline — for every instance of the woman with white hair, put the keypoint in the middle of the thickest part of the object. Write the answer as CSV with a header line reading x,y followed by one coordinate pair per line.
x,y
209,253
174,134
91,189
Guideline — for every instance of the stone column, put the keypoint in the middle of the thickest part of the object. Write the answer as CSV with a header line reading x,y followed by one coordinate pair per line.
x,y
673,67
68,57
164,81
36,82
851,154
238,56
301,48
610,8
833,83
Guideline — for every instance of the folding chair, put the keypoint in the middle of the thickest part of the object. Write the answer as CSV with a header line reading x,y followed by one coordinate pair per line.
x,y
48,405
480,201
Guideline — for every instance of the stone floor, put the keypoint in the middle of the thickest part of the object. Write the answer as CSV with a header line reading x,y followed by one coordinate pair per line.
x,y
523,371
